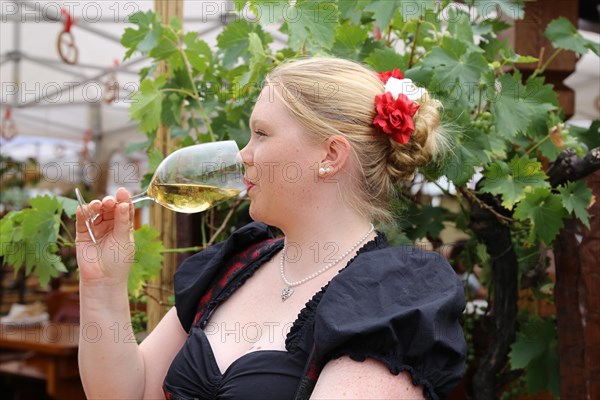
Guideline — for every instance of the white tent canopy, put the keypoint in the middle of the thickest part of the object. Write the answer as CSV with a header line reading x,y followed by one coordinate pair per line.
x,y
48,98
58,109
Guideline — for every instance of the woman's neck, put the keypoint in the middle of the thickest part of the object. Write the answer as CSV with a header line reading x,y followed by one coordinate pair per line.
x,y
317,240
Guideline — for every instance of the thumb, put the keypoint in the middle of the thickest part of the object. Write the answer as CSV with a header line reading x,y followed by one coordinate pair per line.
x,y
123,223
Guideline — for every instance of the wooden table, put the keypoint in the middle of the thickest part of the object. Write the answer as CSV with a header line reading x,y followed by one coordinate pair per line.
x,y
50,354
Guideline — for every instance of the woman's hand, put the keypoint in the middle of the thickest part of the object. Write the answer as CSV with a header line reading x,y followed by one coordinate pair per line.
x,y
108,261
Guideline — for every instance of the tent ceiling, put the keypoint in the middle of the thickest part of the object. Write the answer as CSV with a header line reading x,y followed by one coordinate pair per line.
x,y
49,99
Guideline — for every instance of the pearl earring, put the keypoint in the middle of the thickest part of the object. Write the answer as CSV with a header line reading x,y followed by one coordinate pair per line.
x,y
325,170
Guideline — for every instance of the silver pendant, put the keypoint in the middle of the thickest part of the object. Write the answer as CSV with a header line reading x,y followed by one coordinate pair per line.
x,y
286,293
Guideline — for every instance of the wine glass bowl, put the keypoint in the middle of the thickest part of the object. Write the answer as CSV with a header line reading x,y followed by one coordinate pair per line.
x,y
189,180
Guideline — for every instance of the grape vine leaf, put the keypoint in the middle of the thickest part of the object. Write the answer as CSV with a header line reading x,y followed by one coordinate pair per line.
x,y
351,10
265,11
576,198
349,40
234,40
171,110
383,11
507,9
197,52
132,38
11,234
564,35
545,211
29,238
43,221
513,112
148,258
257,60
313,23
459,166
542,99
460,28
536,351
146,106
69,206
512,181
425,221
456,69
387,59
164,48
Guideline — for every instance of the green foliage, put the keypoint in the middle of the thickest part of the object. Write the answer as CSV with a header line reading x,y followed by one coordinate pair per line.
x,y
315,24
503,123
576,197
536,351
564,35
425,221
148,259
31,238
545,211
146,106
514,180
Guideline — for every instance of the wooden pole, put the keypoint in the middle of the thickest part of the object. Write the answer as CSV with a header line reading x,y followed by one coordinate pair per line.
x,y
162,219
577,251
530,41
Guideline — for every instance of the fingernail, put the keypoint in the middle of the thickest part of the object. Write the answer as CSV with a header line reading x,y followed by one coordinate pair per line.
x,y
124,208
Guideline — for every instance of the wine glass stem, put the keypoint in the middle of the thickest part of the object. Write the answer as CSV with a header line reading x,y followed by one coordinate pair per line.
x,y
140,197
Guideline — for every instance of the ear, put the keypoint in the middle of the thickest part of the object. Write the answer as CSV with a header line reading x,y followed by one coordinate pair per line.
x,y
337,152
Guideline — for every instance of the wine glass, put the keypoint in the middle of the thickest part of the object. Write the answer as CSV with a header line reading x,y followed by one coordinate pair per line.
x,y
189,180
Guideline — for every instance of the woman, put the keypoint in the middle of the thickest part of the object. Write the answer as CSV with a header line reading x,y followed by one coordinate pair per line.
x,y
329,311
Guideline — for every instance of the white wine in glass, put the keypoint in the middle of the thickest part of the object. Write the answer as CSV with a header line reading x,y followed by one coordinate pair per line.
x,y
189,180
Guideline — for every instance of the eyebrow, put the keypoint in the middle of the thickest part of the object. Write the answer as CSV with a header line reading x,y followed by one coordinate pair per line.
x,y
255,121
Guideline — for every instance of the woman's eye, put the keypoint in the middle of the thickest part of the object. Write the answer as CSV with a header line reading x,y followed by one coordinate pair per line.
x,y
260,133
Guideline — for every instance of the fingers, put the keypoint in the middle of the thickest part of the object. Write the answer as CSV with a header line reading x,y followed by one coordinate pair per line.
x,y
113,213
122,195
123,222
81,230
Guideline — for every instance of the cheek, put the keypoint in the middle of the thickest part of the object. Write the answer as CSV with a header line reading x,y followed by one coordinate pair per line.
x,y
252,173
292,174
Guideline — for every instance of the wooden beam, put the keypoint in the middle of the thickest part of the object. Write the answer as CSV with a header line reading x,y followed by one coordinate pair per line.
x,y
577,251
162,219
530,41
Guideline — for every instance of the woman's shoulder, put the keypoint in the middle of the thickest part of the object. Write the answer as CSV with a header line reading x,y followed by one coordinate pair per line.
x,y
406,272
401,306
390,283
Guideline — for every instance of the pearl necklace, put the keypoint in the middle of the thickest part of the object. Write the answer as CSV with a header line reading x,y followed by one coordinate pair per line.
x,y
289,290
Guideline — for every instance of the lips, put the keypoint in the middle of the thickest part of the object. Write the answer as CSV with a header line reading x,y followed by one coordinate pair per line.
x,y
249,185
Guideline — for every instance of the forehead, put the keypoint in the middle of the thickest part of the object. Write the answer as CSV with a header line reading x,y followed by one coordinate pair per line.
x,y
270,106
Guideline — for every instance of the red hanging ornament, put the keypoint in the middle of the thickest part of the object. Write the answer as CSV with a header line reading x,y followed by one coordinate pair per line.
x,y
67,50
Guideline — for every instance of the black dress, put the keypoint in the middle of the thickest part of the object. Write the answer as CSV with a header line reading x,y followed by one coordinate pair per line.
x,y
398,305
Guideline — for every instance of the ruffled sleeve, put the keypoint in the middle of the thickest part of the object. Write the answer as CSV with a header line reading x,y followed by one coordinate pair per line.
x,y
401,306
196,274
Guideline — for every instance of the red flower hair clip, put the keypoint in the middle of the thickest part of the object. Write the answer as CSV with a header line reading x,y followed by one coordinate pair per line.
x,y
396,107
395,73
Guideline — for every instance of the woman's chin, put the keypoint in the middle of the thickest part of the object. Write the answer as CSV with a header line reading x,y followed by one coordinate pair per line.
x,y
261,214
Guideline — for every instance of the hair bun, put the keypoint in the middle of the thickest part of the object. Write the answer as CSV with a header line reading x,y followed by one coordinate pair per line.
x,y
423,146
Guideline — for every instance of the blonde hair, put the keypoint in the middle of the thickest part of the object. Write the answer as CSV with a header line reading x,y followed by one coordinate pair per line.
x,y
331,97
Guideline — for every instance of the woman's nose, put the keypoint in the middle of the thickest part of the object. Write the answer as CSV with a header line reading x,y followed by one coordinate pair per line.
x,y
245,155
